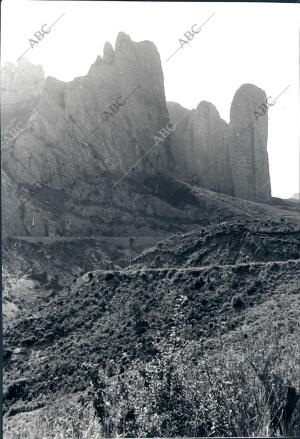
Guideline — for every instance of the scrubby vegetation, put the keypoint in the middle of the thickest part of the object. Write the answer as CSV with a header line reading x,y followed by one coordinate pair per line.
x,y
71,419
186,392
190,350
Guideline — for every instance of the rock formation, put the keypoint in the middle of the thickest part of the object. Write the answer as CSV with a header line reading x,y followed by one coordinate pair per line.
x,y
64,163
200,147
231,159
248,144
84,159
21,88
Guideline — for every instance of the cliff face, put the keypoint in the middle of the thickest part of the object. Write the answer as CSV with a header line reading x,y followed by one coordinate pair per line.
x,y
64,164
248,144
64,129
21,88
200,147
72,142
231,159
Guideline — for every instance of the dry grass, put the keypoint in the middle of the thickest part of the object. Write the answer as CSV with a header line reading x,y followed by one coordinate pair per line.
x,y
67,420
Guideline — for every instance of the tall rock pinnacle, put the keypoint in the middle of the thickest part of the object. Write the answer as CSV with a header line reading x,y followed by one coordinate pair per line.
x,y
248,144
229,159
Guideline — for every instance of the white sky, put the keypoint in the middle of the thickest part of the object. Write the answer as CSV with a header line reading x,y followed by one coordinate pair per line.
x,y
242,43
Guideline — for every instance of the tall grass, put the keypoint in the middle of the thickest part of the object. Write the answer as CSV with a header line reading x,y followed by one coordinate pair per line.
x,y
64,420
187,391
238,389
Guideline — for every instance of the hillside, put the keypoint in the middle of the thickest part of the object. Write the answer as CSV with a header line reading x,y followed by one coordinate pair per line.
x,y
36,266
230,277
227,243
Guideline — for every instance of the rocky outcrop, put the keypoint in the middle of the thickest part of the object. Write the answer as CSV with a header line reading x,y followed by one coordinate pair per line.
x,y
200,147
65,132
82,137
85,157
21,78
21,87
248,144
231,159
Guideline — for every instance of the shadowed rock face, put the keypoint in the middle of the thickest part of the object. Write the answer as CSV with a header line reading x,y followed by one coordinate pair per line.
x,y
248,144
200,148
60,171
229,159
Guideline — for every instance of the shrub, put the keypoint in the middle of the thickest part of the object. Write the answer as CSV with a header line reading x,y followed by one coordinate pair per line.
x,y
274,266
198,283
157,260
254,288
15,390
241,269
237,302
41,277
109,276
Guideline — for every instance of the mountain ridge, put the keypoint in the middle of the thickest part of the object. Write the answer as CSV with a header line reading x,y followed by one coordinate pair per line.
x,y
78,140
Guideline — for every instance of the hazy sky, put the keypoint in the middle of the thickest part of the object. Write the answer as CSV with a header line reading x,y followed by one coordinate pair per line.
x,y
241,43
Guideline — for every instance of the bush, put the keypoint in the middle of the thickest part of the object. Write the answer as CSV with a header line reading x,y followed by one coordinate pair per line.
x,y
237,302
198,283
41,277
15,390
157,260
241,269
109,276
